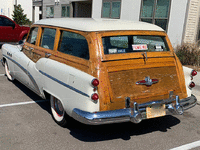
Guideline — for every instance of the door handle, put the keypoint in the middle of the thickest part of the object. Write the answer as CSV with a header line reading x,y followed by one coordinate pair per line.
x,y
47,55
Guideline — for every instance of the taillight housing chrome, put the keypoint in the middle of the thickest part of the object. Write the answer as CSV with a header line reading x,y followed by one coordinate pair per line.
x,y
192,85
95,82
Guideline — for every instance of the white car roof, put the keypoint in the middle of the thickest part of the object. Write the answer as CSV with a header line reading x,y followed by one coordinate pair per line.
x,y
90,24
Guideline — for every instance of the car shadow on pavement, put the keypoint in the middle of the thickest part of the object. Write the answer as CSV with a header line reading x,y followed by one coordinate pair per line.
x,y
91,133
44,105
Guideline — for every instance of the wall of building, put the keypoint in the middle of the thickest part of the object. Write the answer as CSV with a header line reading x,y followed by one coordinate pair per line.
x,y
37,12
191,26
27,6
130,9
96,8
177,21
7,7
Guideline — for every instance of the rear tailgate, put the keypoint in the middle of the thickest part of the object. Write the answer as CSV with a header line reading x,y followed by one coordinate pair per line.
x,y
123,75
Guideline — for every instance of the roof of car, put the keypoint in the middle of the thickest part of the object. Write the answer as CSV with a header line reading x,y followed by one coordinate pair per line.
x,y
90,24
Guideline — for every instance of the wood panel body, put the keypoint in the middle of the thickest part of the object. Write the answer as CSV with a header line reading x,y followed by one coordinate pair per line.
x,y
118,73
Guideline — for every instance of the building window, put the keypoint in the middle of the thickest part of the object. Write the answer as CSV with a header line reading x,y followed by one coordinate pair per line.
x,y
111,9
156,12
49,12
65,11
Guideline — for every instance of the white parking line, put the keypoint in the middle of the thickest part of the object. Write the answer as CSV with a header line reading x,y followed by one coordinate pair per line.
x,y
188,146
2,74
22,103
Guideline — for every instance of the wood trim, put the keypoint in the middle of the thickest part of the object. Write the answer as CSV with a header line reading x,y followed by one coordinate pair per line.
x,y
70,60
132,55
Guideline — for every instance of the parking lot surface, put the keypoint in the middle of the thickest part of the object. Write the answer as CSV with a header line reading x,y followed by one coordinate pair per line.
x,y
26,124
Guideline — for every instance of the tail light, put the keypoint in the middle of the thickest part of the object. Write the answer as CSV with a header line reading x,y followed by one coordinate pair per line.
x,y
192,84
95,82
95,96
193,73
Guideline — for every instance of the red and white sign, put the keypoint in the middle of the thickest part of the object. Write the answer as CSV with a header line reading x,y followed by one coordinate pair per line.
x,y
140,47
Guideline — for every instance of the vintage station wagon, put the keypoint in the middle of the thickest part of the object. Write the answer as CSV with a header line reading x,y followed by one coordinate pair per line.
x,y
101,71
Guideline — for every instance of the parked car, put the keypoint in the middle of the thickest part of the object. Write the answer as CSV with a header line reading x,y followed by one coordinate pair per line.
x,y
10,31
101,71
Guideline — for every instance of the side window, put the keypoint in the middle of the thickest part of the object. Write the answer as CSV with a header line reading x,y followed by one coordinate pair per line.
x,y
73,44
48,37
32,36
1,21
8,22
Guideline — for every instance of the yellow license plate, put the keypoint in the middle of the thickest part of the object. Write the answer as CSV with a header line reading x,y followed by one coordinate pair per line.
x,y
155,111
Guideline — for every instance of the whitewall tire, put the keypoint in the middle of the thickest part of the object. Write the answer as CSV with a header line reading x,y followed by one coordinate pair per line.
x,y
58,112
7,72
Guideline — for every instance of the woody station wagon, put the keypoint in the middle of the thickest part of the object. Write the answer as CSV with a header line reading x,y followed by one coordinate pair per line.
x,y
101,71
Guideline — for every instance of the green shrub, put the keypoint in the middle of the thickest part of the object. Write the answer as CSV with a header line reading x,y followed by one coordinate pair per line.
x,y
189,54
19,17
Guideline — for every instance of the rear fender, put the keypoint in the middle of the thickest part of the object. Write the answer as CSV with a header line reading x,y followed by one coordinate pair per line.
x,y
70,85
187,74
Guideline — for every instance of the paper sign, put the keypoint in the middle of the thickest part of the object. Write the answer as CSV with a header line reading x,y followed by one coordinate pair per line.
x,y
121,51
140,47
159,48
112,51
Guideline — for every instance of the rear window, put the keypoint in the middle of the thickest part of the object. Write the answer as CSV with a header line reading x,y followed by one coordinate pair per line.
x,y
134,43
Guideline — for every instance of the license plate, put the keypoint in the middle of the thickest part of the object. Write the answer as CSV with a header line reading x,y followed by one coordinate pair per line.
x,y
156,111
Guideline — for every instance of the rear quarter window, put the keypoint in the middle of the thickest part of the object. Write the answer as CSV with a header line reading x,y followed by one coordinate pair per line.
x,y
73,44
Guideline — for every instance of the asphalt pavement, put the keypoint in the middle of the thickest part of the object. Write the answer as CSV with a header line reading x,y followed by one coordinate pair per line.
x,y
29,126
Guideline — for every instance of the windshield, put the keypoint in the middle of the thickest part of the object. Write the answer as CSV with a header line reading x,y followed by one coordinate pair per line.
x,y
134,43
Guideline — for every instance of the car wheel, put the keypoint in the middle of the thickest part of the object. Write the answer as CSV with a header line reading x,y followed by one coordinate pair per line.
x,y
7,71
58,112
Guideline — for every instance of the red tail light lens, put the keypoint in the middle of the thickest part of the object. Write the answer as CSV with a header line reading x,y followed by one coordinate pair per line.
x,y
95,82
192,84
193,73
95,97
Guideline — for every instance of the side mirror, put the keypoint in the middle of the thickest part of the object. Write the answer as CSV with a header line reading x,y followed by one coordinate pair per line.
x,y
21,42
20,45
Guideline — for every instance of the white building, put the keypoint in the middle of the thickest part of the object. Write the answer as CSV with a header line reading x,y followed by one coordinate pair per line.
x,y
7,7
179,18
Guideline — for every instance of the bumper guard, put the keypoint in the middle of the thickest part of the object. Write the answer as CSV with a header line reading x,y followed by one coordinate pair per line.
x,y
173,106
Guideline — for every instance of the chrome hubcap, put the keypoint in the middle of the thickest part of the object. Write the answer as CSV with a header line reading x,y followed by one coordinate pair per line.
x,y
58,107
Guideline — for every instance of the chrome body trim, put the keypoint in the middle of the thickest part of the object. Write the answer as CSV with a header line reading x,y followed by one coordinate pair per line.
x,y
64,84
147,81
173,106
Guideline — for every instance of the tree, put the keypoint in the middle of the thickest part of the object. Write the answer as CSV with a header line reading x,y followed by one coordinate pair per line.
x,y
19,17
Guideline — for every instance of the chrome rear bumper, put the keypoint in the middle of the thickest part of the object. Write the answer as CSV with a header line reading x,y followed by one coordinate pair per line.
x,y
173,106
